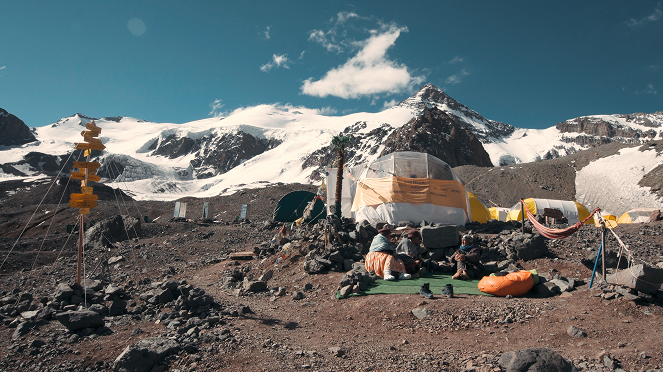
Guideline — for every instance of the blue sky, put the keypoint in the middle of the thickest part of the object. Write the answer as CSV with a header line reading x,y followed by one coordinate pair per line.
x,y
530,64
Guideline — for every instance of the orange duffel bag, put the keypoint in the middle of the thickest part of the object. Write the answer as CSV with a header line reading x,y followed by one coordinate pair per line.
x,y
514,284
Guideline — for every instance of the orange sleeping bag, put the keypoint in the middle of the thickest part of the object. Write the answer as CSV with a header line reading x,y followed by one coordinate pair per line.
x,y
514,284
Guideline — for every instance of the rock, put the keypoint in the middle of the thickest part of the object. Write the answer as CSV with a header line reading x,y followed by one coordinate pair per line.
x,y
529,247
266,276
63,292
420,313
116,259
336,257
24,328
298,295
641,277
145,354
99,309
118,307
535,360
113,291
563,285
77,320
543,290
164,295
254,286
576,332
336,351
314,267
346,290
552,288
439,236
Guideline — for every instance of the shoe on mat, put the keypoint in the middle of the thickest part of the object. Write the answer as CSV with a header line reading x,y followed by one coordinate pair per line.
x,y
425,291
448,290
388,276
404,276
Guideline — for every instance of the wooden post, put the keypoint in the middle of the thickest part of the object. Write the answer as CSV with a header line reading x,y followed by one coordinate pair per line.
x,y
80,249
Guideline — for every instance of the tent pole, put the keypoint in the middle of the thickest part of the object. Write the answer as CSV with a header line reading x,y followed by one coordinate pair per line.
x,y
603,251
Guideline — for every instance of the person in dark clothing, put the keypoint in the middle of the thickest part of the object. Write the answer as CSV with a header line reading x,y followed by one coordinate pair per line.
x,y
467,260
411,253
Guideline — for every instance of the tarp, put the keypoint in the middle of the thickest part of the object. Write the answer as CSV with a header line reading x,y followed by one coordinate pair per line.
x,y
292,206
573,211
640,215
403,186
479,209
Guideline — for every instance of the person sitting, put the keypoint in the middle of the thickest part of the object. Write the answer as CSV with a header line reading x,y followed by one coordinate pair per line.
x,y
381,260
409,251
467,258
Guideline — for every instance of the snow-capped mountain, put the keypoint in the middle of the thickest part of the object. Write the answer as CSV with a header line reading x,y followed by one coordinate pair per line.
x,y
283,143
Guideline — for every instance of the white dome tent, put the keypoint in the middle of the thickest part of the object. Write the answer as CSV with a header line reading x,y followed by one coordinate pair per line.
x,y
403,186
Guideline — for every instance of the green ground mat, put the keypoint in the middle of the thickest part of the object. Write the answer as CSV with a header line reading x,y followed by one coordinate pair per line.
x,y
412,286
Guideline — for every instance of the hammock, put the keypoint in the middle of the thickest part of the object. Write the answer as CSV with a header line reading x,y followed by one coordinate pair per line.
x,y
555,233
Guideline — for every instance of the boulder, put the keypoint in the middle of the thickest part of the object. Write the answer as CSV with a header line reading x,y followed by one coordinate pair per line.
x,y
145,354
439,236
77,320
641,277
63,292
538,359
530,247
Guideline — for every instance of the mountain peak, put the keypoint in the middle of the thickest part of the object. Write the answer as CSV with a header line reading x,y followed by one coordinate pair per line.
x,y
430,96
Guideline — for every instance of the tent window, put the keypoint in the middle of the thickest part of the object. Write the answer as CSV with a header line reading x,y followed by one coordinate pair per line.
x,y
410,168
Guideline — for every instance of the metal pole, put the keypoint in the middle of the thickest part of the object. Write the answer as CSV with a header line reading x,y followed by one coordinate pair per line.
x,y
522,214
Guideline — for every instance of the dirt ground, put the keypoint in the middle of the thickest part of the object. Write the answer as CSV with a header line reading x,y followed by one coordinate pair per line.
x,y
267,332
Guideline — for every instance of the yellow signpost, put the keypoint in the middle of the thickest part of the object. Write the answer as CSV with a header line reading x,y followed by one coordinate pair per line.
x,y
87,172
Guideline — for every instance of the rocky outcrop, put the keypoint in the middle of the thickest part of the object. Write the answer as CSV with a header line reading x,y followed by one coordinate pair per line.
x,y
14,131
430,96
599,130
214,154
437,133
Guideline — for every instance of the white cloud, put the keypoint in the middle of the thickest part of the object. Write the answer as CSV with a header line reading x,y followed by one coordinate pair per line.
x,y
266,33
3,67
216,106
655,16
457,78
369,72
389,104
456,59
341,17
301,55
650,89
277,61
326,39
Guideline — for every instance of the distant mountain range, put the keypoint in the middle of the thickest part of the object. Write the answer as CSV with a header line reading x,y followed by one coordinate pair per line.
x,y
282,143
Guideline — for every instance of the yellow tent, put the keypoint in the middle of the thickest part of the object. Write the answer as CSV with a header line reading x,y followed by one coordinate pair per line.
x,y
573,211
636,216
498,213
479,210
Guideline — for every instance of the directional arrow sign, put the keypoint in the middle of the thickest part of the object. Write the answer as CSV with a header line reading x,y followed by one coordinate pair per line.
x,y
93,127
82,204
77,176
84,211
90,197
86,164
89,146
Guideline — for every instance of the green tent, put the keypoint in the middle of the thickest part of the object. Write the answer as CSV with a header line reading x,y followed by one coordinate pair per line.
x,y
292,206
